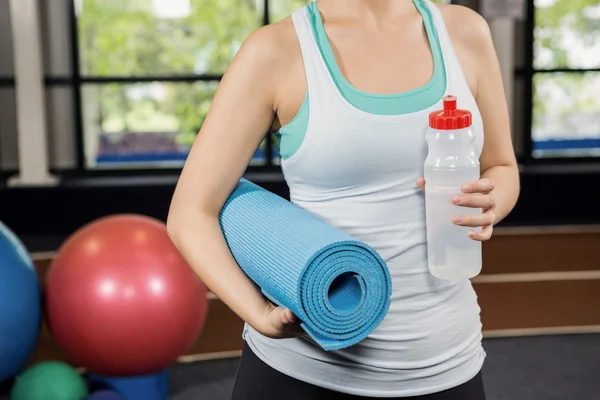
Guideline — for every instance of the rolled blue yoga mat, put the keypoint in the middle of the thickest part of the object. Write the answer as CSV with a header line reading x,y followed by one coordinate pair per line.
x,y
338,287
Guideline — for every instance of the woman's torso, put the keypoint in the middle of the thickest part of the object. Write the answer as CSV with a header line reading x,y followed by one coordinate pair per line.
x,y
352,161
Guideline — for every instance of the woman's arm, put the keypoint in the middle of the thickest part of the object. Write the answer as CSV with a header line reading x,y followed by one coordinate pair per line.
x,y
499,187
498,162
240,115
497,191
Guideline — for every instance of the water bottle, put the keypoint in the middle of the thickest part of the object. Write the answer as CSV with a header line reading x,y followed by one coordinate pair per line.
x,y
451,162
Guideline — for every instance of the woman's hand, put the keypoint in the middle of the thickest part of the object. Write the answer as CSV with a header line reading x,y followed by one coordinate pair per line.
x,y
475,195
279,323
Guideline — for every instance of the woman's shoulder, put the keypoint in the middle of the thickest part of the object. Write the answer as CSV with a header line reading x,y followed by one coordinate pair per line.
x,y
465,26
267,52
471,39
275,41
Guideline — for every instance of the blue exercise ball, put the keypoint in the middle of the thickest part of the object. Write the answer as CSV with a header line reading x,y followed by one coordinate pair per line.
x,y
104,395
20,305
147,387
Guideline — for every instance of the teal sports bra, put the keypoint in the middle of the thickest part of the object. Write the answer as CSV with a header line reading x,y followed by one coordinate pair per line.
x,y
290,136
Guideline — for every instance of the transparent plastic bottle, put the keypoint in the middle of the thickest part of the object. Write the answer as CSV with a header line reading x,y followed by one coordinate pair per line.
x,y
451,162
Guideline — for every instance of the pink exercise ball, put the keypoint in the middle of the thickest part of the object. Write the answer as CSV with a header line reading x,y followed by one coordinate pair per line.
x,y
121,300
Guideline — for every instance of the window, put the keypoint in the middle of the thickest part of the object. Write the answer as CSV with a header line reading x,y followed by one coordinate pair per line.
x,y
8,119
566,79
148,69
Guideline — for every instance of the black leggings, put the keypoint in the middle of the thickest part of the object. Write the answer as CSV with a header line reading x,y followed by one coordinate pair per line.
x,y
257,381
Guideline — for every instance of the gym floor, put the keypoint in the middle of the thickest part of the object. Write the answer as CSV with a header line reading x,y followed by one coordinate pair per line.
x,y
533,368
563,367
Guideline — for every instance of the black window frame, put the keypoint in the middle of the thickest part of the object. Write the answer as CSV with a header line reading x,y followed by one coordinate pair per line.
x,y
6,82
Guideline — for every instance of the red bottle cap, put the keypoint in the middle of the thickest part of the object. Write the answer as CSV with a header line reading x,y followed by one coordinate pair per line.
x,y
450,118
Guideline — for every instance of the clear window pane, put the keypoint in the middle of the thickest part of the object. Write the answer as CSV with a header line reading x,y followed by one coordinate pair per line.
x,y
144,125
280,9
260,157
567,34
6,44
162,37
275,159
566,114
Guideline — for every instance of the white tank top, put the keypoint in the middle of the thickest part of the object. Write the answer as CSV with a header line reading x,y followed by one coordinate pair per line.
x,y
357,171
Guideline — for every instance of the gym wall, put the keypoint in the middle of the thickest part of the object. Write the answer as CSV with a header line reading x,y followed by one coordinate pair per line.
x,y
542,270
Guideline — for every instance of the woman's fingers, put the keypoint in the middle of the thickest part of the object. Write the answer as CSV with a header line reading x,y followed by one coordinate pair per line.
x,y
485,201
286,317
483,235
485,219
476,195
483,185
289,325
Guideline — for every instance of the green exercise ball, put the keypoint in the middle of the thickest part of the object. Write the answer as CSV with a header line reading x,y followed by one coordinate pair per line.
x,y
49,380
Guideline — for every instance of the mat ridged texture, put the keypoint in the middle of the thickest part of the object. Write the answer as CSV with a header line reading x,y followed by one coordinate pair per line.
x,y
295,257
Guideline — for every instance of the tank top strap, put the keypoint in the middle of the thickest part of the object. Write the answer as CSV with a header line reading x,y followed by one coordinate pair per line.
x,y
320,88
455,78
